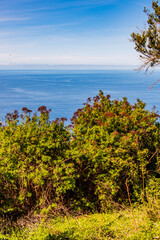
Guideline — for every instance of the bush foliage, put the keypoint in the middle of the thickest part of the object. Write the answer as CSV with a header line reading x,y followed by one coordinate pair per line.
x,y
107,156
34,171
113,145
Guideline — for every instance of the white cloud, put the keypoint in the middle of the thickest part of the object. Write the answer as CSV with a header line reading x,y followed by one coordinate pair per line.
x,y
72,4
87,3
114,59
68,50
10,19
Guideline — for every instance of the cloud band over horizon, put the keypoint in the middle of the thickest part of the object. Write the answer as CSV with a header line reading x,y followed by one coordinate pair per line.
x,y
69,32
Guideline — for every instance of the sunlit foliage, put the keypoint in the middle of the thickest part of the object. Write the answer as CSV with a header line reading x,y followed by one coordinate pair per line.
x,y
108,156
34,172
147,41
113,145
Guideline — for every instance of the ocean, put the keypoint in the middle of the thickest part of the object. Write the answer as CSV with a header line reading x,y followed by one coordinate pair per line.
x,y
64,91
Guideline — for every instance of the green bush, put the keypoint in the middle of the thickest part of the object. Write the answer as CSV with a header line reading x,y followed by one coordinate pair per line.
x,y
113,148
108,157
34,170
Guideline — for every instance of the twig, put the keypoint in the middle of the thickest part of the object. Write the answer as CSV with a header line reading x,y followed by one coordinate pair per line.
x,y
150,87
131,205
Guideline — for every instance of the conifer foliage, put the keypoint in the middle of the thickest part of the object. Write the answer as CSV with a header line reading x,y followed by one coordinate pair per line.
x,y
147,41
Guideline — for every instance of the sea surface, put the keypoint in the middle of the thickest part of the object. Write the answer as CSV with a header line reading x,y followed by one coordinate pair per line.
x,y
64,91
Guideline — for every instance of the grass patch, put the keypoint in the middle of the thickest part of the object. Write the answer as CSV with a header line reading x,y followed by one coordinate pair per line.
x,y
124,224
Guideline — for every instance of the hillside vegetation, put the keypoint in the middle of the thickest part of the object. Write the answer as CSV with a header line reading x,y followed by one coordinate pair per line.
x,y
106,160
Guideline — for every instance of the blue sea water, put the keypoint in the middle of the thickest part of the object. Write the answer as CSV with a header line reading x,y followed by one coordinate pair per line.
x,y
64,91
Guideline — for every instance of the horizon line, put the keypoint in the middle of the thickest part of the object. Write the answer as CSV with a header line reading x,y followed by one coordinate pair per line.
x,y
67,67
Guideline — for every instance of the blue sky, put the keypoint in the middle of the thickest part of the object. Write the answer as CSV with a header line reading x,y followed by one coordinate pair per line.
x,y
59,32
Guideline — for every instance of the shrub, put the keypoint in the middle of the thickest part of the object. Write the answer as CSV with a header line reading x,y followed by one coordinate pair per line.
x,y
113,144
108,155
34,170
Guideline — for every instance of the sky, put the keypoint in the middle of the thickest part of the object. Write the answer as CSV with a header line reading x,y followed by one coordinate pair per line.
x,y
70,32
